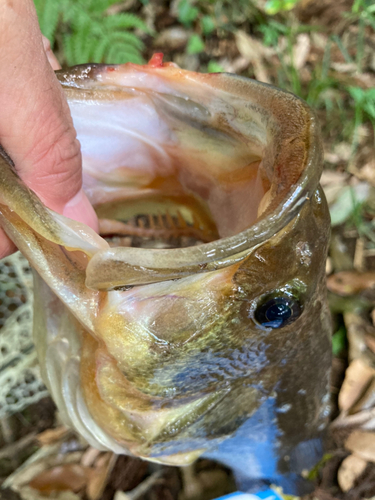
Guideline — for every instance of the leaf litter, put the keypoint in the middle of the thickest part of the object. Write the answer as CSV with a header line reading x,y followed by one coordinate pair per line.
x,y
324,52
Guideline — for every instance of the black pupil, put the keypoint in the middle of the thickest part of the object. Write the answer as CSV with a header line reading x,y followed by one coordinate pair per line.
x,y
277,312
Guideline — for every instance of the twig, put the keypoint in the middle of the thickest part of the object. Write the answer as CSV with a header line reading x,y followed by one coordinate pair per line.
x,y
145,486
12,449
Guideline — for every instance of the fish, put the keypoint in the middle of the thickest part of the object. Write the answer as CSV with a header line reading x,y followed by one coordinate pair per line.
x,y
196,323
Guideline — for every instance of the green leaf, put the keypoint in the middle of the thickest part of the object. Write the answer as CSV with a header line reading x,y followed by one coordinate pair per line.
x,y
314,472
208,25
195,44
272,31
68,49
187,14
127,38
124,21
97,6
214,67
99,50
357,94
339,341
274,6
89,33
120,53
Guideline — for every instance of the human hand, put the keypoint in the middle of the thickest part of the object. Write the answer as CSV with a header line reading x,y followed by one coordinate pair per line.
x,y
36,128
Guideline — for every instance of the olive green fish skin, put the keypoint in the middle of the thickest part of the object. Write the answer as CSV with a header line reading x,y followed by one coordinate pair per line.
x,y
164,353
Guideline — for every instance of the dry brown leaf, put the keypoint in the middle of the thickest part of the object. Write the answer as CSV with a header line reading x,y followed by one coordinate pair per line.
x,y
362,444
367,400
301,50
53,435
357,377
99,475
364,420
370,342
32,466
351,468
89,457
174,38
71,477
333,182
366,173
121,495
27,493
12,449
359,256
344,67
234,66
253,51
350,282
357,328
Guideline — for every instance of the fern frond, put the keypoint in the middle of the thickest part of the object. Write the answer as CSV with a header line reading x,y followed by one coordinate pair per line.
x,y
98,51
120,53
80,20
48,15
124,21
70,10
127,38
89,33
68,49
82,42
98,6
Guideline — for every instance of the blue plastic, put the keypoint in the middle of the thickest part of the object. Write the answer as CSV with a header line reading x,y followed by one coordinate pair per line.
x,y
263,495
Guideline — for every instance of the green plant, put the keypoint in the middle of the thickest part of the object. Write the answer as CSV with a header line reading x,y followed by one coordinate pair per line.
x,y
89,33
272,30
214,67
364,106
363,14
195,44
339,342
187,13
274,6
208,25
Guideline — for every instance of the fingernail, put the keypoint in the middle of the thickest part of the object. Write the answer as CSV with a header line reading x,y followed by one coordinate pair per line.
x,y
79,208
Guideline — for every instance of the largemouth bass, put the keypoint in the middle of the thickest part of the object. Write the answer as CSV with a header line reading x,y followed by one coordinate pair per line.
x,y
217,345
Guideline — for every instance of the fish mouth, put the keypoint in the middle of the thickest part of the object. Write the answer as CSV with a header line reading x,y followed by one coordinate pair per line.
x,y
167,214
157,220
175,159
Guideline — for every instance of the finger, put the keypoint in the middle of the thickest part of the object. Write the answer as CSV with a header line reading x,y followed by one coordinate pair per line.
x,y
50,55
6,245
36,128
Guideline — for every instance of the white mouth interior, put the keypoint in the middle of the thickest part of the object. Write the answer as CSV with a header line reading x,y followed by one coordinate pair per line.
x,y
170,158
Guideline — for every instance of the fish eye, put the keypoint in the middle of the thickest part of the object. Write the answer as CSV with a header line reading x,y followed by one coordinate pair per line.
x,y
277,312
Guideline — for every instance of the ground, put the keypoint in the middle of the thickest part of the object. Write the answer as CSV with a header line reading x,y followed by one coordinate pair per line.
x,y
323,51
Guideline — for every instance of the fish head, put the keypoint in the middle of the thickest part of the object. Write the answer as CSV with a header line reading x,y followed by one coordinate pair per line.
x,y
203,303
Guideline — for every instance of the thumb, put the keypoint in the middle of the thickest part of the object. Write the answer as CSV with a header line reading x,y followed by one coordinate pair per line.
x,y
36,128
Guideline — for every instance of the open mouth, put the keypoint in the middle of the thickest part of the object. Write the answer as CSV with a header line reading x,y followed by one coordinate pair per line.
x,y
188,165
169,166
174,216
